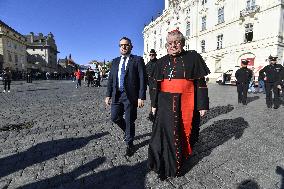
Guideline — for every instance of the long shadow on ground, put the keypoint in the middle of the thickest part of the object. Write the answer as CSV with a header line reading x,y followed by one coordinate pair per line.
x,y
248,184
127,177
213,136
216,111
42,152
251,99
280,171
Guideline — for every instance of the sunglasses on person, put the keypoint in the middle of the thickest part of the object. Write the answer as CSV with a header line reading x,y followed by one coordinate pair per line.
x,y
152,55
124,45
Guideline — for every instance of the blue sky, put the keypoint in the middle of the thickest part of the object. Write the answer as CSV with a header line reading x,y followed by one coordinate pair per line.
x,y
88,29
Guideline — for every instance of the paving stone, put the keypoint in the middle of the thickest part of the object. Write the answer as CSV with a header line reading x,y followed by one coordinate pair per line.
x,y
73,143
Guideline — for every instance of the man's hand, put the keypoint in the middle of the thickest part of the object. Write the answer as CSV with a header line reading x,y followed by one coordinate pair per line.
x,y
108,101
202,112
140,103
265,78
279,87
154,110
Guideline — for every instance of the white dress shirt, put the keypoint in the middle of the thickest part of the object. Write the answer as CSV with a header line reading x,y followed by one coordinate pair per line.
x,y
120,65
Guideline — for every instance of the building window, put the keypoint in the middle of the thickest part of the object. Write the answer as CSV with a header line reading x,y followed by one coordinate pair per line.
x,y
161,43
250,4
16,58
218,67
221,15
155,45
15,46
248,32
9,57
220,41
203,2
187,10
203,22
187,33
147,47
202,46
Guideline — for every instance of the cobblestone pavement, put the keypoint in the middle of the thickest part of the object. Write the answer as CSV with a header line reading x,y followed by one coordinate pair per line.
x,y
53,135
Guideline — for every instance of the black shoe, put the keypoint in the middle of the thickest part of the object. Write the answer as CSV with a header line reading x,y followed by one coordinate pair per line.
x,y
269,106
129,150
276,106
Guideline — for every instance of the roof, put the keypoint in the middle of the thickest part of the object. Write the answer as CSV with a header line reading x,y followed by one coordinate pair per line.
x,y
10,28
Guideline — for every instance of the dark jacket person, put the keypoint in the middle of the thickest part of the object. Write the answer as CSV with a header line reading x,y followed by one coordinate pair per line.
x,y
150,68
243,76
126,89
181,96
271,75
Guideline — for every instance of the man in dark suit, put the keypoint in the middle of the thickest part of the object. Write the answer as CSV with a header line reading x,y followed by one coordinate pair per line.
x,y
126,89
150,69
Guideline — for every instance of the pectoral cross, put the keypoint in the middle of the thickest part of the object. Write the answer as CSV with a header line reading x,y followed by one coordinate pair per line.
x,y
170,74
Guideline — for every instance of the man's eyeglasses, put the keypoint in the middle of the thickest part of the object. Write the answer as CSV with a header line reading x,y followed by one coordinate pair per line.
x,y
152,55
124,45
173,43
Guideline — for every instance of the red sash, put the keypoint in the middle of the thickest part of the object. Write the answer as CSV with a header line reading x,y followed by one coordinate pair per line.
x,y
186,89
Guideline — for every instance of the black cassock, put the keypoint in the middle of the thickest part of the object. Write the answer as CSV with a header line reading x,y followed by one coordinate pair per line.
x,y
181,91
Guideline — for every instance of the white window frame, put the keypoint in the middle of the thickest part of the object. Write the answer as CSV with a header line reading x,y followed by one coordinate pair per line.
x,y
202,44
221,15
203,23
187,33
220,41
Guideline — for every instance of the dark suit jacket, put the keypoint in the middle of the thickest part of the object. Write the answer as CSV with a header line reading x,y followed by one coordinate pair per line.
x,y
134,81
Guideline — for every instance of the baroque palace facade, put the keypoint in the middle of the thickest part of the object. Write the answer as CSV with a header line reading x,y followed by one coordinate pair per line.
x,y
27,53
223,31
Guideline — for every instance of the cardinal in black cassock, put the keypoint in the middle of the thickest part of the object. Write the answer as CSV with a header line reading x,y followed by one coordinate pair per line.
x,y
180,98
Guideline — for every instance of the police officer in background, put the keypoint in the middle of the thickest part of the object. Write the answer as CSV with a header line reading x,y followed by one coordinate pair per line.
x,y
271,76
243,76
150,67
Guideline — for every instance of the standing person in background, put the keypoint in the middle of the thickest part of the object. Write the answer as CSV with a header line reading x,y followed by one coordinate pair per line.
x,y
271,76
78,74
29,77
251,83
99,78
180,98
89,77
243,76
126,90
7,78
150,68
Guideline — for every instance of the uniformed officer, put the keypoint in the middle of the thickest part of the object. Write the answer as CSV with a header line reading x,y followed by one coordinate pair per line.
x,y
243,76
150,67
271,76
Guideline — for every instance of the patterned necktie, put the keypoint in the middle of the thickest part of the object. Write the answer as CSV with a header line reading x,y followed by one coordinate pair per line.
x,y
122,74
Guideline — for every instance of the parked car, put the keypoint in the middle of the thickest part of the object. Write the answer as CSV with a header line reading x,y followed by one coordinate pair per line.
x,y
228,77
